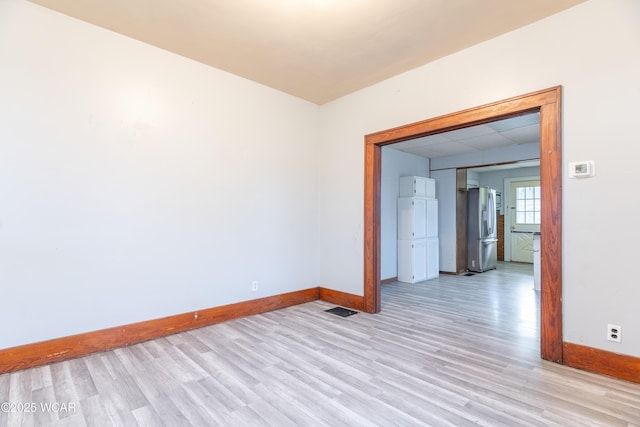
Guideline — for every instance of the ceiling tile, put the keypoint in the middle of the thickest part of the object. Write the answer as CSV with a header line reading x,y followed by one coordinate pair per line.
x,y
523,135
470,132
515,122
447,149
475,138
426,141
486,142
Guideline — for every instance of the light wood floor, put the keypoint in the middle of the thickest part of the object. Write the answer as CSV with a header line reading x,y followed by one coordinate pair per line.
x,y
454,351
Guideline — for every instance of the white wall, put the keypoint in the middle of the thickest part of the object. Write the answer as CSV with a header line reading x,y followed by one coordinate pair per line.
x,y
447,231
395,164
593,51
137,184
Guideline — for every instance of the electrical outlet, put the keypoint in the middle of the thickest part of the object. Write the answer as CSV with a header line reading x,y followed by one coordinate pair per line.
x,y
614,333
254,285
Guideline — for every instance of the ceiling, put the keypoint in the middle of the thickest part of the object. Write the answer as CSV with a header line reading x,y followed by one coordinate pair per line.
x,y
517,130
318,50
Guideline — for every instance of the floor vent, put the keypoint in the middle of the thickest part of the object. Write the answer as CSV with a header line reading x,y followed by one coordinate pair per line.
x,y
340,311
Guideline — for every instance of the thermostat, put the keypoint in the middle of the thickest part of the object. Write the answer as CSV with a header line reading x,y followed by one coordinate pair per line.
x,y
583,169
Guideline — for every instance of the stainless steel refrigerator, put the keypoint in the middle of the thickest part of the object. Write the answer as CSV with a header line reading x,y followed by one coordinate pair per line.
x,y
482,241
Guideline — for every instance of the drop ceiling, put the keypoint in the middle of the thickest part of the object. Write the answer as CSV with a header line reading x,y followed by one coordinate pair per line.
x,y
318,50
522,129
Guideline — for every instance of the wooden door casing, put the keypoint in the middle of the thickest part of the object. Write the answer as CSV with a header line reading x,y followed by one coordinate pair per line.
x,y
548,103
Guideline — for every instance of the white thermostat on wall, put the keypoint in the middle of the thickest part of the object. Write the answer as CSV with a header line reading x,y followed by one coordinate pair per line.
x,y
584,169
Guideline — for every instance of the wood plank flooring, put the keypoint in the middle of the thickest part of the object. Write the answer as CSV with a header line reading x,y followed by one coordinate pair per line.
x,y
454,351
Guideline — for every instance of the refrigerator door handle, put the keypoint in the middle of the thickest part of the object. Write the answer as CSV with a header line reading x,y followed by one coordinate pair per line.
x,y
492,212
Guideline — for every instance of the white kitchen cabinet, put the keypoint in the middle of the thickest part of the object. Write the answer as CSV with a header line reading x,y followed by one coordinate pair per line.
x,y
417,186
418,260
418,244
417,217
412,256
412,212
431,228
433,257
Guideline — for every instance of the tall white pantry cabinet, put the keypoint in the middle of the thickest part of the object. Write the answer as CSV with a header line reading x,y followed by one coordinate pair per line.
x,y
418,244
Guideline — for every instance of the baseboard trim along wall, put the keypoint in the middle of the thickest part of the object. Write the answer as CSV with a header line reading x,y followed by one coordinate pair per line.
x,y
59,349
355,302
389,280
602,362
56,350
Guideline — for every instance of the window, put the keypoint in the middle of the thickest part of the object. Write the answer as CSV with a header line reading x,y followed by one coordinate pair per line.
x,y
528,205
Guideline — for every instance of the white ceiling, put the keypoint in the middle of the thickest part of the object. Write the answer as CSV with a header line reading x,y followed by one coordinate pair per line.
x,y
318,50
499,134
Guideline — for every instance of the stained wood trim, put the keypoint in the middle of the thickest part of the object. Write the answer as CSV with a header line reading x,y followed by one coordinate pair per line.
x,y
515,106
548,103
389,280
500,236
602,362
59,349
355,302
372,171
551,230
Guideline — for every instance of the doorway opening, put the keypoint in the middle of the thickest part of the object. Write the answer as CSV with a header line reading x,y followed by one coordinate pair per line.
x,y
548,104
522,218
